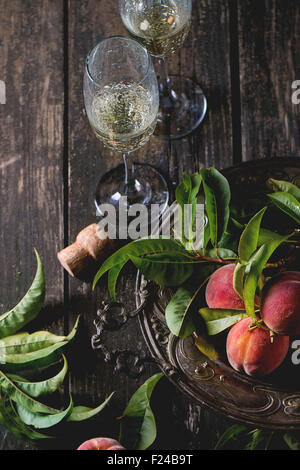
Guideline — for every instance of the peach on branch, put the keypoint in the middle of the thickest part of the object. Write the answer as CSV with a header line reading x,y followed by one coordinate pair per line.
x,y
280,304
220,292
101,443
253,351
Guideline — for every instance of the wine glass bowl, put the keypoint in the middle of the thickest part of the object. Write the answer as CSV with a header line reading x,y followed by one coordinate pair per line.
x,y
162,26
122,100
121,94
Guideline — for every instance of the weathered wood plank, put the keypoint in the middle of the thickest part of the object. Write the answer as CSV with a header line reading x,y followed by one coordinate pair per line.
x,y
206,58
31,155
269,42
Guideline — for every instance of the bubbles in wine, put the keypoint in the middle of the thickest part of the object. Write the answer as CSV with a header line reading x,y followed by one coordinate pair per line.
x,y
123,115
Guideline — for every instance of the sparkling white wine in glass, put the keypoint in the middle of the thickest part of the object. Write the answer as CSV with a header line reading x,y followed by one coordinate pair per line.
x,y
122,101
161,26
122,116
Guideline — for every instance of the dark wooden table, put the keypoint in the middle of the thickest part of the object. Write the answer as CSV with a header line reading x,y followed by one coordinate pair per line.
x,y
245,54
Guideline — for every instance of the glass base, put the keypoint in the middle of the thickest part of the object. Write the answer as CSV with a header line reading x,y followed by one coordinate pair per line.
x,y
181,111
149,187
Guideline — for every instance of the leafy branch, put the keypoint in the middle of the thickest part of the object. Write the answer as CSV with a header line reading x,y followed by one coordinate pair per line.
x,y
20,410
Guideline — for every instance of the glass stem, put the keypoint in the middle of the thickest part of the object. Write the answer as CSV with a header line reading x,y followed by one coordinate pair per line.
x,y
129,182
164,81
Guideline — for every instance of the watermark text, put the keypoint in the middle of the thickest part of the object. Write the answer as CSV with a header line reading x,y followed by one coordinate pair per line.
x,y
2,92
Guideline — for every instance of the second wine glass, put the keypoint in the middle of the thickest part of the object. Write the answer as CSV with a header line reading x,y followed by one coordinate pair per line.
x,y
162,26
122,99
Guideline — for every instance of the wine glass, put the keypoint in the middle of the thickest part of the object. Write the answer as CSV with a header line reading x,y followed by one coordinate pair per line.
x,y
162,26
122,100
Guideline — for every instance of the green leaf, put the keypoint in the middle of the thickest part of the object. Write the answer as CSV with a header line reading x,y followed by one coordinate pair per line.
x,y
23,351
243,209
222,253
41,421
231,237
28,308
186,194
45,387
218,320
138,427
285,187
170,269
266,236
259,440
217,199
254,270
291,441
144,246
21,398
238,279
178,314
82,413
249,238
230,434
179,311
11,420
287,203
208,346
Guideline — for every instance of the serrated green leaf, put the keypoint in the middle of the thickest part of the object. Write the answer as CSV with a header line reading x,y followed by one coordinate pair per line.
x,y
11,420
42,421
82,413
218,320
254,270
179,312
20,397
238,279
266,236
138,427
259,440
178,317
230,434
28,308
208,346
45,387
26,350
170,269
249,238
285,187
217,199
222,253
186,194
287,203
144,246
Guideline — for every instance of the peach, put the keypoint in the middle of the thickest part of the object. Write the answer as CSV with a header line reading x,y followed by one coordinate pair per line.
x,y
101,443
220,292
280,304
252,351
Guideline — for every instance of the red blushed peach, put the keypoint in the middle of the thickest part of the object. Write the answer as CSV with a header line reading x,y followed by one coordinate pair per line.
x,y
252,351
101,443
280,304
220,292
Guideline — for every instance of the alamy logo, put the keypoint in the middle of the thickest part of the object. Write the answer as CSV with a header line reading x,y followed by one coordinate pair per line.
x,y
139,221
296,353
296,94
2,92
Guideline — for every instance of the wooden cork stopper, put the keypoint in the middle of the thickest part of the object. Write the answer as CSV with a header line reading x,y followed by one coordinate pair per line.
x,y
91,245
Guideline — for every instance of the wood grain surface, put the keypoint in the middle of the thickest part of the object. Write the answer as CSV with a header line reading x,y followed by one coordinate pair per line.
x,y
244,55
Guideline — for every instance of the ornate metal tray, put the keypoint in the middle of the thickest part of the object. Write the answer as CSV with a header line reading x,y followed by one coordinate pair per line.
x,y
273,403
